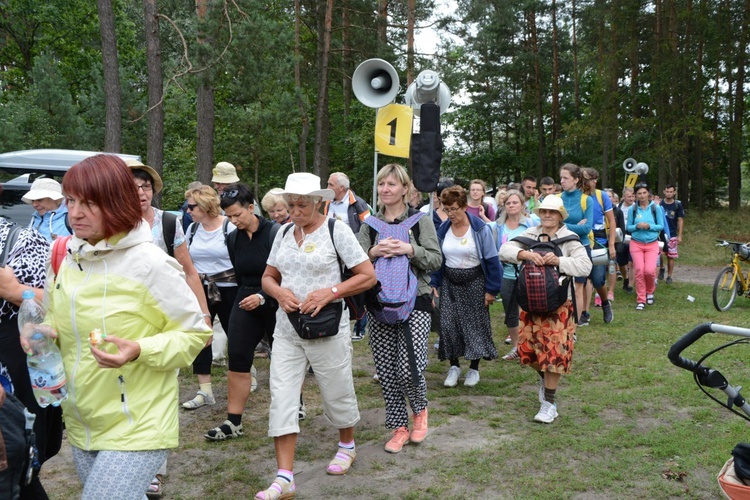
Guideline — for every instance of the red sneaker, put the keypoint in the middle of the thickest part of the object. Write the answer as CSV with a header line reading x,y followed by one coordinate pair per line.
x,y
419,432
399,439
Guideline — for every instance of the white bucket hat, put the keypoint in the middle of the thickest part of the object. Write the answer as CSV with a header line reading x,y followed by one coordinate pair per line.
x,y
43,188
224,173
302,183
552,202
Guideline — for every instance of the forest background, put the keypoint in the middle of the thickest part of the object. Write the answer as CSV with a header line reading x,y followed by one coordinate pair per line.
x,y
266,85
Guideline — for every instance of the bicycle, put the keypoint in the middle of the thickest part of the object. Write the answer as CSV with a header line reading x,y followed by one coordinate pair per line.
x,y
731,281
733,483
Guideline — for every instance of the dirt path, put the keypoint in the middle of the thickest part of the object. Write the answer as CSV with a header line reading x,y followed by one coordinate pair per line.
x,y
699,275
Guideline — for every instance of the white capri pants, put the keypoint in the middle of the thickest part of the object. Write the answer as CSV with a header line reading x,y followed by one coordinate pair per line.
x,y
331,360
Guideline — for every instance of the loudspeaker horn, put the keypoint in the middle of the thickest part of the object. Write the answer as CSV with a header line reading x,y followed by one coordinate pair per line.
x,y
629,165
375,83
641,169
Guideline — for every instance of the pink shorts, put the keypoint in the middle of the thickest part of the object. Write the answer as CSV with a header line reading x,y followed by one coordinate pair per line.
x,y
672,248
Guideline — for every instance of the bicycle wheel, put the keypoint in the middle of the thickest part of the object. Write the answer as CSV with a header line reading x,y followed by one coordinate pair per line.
x,y
725,289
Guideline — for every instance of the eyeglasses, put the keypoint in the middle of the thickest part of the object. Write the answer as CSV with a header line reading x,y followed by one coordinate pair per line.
x,y
230,194
191,207
144,187
451,210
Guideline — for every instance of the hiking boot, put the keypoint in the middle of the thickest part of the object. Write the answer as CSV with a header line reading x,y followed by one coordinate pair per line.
x,y
585,319
472,378
547,413
225,431
669,280
397,442
607,310
419,430
661,274
452,379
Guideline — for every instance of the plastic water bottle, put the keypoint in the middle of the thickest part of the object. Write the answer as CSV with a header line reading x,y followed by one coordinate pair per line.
x,y
612,267
46,369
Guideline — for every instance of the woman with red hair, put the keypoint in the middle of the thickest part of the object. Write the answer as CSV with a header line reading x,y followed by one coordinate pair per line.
x,y
121,413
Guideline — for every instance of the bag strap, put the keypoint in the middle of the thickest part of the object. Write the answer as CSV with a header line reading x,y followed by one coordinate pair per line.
x,y
414,228
168,228
59,251
331,224
10,242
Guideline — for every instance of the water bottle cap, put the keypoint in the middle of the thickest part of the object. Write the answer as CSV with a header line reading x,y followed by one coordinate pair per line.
x,y
37,336
28,294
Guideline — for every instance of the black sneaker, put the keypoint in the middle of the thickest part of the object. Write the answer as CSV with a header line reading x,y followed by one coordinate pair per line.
x,y
661,274
669,280
607,310
628,289
585,319
357,336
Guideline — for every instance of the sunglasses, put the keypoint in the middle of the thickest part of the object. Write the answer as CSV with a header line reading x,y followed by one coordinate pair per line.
x,y
192,206
230,194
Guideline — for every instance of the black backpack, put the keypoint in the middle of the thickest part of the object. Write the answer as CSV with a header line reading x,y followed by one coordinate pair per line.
x,y
542,289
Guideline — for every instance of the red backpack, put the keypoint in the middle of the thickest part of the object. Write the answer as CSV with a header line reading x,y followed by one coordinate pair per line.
x,y
542,289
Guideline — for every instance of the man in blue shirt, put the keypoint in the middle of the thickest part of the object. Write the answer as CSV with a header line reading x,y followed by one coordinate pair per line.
x,y
675,215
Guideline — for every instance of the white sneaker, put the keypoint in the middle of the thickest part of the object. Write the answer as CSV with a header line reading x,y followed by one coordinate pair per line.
x,y
472,378
547,413
452,379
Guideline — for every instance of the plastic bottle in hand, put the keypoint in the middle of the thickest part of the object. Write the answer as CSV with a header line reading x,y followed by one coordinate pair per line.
x,y
45,364
612,267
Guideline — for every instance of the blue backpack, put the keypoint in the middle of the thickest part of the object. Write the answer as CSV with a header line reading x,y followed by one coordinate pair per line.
x,y
399,284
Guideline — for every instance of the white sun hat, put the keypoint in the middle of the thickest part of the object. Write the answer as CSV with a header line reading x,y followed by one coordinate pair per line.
x,y
305,184
43,188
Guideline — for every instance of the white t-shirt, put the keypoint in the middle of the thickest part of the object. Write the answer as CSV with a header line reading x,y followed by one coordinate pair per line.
x,y
209,250
158,232
460,251
312,265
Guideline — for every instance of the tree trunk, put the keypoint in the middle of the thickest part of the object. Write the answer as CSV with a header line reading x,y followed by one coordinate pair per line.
x,y
322,122
555,92
411,13
112,92
305,132
155,137
541,146
347,69
382,24
204,112
737,112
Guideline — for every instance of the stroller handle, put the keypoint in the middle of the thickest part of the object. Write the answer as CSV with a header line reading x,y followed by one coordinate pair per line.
x,y
695,334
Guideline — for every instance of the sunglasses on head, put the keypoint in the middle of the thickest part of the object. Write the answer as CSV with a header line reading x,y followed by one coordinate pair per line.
x,y
230,194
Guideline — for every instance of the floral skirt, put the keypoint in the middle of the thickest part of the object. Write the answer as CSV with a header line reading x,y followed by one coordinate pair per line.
x,y
548,340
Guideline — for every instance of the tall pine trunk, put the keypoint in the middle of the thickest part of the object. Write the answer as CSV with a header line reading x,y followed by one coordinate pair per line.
x,y
322,120
155,138
112,92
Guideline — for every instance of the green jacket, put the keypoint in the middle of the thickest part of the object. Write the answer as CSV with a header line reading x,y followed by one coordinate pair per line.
x,y
126,287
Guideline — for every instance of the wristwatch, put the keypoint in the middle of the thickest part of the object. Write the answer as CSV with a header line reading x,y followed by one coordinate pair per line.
x,y
261,298
335,292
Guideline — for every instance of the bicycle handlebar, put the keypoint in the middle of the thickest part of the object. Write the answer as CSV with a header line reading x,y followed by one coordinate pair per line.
x,y
683,343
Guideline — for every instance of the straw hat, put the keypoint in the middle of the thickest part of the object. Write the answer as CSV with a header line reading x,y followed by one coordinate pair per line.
x,y
43,188
136,165
224,173
302,183
552,203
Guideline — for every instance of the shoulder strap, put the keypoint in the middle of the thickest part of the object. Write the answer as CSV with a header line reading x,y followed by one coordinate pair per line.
x,y
231,242
10,242
168,223
190,233
225,229
331,224
584,202
274,231
67,224
59,250
287,228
